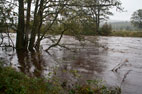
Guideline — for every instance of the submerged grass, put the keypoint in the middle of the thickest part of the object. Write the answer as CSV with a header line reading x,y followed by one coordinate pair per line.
x,y
13,82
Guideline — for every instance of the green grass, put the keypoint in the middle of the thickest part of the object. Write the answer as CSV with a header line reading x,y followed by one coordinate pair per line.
x,y
126,34
13,82
104,33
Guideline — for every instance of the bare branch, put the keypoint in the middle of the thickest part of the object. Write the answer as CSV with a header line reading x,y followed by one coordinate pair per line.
x,y
53,45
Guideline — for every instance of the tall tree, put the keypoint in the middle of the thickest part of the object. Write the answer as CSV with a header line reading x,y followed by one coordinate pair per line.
x,y
21,26
99,10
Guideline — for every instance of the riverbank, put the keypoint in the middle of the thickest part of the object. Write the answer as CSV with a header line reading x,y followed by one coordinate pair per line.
x,y
126,33
104,33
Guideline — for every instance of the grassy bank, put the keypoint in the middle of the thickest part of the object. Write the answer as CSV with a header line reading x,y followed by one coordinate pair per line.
x,y
126,34
103,32
13,82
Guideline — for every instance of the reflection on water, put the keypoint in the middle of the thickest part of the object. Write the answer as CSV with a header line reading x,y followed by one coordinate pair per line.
x,y
92,58
31,63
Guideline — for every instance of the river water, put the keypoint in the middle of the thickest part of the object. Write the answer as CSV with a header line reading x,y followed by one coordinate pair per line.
x,y
115,60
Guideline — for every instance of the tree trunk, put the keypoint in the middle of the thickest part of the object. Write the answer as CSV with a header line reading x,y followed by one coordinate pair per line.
x,y
27,24
36,27
40,25
20,31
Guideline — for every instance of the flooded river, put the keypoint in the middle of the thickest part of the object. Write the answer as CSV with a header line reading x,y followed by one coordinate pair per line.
x,y
115,60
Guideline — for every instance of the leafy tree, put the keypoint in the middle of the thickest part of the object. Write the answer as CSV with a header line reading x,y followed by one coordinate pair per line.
x,y
136,19
101,10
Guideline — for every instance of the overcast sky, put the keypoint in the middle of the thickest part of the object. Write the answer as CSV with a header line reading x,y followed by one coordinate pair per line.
x,y
130,6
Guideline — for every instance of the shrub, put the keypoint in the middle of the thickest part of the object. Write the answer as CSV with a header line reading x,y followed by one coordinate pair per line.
x,y
105,30
13,82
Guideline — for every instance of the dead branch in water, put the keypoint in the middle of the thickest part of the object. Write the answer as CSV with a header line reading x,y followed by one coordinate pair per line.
x,y
115,69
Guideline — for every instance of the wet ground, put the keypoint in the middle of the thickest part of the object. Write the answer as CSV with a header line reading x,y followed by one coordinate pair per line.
x,y
116,60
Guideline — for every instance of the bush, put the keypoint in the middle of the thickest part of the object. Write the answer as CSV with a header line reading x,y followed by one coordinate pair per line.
x,y
105,30
94,87
13,82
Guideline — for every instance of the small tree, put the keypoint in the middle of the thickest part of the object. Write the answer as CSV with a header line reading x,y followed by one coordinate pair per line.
x,y
105,29
136,19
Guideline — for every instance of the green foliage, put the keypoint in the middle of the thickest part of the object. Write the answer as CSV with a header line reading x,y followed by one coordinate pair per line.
x,y
94,87
126,33
105,30
73,28
10,83
89,28
2,27
13,82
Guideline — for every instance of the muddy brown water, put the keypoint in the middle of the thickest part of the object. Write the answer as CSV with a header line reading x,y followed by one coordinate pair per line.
x,y
115,60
